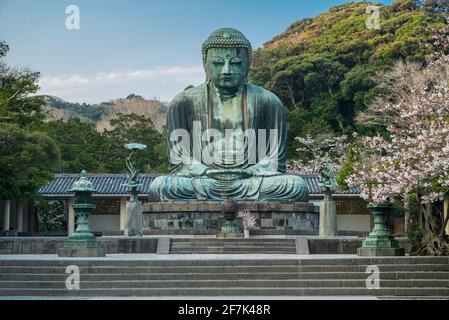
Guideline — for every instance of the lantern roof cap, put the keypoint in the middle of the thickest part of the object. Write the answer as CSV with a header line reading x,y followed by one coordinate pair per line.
x,y
82,184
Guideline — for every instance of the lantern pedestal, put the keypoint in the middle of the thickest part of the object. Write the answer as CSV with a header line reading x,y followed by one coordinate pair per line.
x,y
380,241
134,219
328,215
83,242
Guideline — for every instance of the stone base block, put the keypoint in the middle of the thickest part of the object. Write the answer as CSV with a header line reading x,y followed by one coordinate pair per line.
x,y
81,252
134,220
229,235
207,215
380,252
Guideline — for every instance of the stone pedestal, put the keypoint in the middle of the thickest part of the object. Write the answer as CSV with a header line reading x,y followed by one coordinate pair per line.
x,y
380,241
380,252
196,216
229,235
82,243
81,252
328,216
134,219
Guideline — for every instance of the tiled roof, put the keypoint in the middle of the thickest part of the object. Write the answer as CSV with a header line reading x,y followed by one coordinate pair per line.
x,y
314,184
113,184
105,184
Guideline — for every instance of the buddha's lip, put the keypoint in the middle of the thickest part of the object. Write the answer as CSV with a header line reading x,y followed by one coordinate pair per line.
x,y
229,76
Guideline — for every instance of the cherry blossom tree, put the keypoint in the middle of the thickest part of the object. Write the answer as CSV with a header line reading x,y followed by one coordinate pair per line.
x,y
248,220
322,153
413,158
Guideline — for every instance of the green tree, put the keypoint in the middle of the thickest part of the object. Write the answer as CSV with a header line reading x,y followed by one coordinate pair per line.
x,y
127,128
80,144
18,104
27,161
28,157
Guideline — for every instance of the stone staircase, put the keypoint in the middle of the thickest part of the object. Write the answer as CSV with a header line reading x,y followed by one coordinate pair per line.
x,y
232,246
400,277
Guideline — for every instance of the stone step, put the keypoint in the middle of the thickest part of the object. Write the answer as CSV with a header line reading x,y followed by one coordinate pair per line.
x,y
224,246
227,252
232,248
223,292
335,261
233,240
400,276
225,276
284,283
413,298
232,245
237,250
216,269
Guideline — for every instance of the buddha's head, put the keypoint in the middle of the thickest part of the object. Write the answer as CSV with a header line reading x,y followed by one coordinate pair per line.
x,y
226,59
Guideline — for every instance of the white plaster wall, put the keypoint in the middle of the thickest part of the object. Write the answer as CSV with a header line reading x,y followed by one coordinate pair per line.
x,y
104,222
353,222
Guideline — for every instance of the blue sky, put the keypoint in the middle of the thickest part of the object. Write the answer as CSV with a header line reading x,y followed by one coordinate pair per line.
x,y
151,48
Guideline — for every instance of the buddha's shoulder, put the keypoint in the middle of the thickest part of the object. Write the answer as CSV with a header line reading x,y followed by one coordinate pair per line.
x,y
264,94
190,93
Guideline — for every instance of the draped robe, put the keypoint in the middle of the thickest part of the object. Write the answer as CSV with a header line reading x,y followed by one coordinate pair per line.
x,y
259,171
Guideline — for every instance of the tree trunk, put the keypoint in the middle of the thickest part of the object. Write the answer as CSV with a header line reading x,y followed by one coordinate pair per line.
x,y
435,241
433,245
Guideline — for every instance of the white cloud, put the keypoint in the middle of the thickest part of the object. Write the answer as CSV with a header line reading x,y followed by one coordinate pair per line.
x,y
161,81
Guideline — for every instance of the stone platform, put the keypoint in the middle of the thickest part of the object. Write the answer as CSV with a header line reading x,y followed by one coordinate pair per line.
x,y
207,215
149,244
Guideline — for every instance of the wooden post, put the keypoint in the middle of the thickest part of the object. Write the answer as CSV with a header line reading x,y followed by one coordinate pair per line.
x,y
6,215
19,216
71,218
446,212
123,213
32,217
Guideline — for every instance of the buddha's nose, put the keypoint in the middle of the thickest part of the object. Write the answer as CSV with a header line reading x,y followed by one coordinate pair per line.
x,y
226,69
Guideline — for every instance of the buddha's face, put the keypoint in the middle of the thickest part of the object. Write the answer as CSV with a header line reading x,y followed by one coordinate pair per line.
x,y
227,67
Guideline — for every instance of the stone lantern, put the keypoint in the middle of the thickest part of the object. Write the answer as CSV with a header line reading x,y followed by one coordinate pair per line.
x,y
82,243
